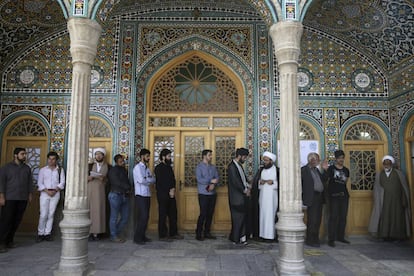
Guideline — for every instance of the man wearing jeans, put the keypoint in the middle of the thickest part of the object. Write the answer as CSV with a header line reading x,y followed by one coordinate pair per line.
x,y
118,198
207,180
50,182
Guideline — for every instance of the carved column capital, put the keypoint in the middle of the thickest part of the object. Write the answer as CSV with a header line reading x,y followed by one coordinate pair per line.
x,y
84,36
286,38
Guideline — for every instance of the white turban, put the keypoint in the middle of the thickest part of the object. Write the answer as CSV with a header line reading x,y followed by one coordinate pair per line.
x,y
270,155
102,150
388,157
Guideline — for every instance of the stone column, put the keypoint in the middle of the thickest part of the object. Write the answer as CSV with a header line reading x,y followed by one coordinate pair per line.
x,y
84,37
291,229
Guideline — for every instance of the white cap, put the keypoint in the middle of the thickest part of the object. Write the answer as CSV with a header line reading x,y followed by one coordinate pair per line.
x,y
270,155
102,150
388,157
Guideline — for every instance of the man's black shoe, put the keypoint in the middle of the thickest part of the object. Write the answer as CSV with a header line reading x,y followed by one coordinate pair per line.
x,y
40,238
209,236
344,241
48,238
199,238
147,239
331,243
139,242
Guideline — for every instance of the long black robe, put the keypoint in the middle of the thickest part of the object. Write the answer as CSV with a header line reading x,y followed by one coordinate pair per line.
x,y
238,202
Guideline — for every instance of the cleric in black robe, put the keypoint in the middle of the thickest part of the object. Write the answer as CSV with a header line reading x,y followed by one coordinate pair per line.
x,y
239,192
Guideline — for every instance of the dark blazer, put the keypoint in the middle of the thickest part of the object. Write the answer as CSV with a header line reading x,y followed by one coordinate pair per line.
x,y
308,185
237,197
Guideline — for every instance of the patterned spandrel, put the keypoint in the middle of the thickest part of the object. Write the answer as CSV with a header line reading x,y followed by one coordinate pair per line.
x,y
363,131
195,85
33,160
192,156
27,127
162,122
194,122
98,129
225,147
160,143
306,132
362,168
226,122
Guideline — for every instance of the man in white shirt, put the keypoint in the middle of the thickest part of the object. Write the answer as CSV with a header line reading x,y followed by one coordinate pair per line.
x,y
50,182
143,178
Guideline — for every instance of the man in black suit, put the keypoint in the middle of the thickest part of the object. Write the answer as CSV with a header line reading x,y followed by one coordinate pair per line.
x,y
239,192
313,198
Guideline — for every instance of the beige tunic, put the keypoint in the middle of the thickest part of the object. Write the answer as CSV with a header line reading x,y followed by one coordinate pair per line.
x,y
96,194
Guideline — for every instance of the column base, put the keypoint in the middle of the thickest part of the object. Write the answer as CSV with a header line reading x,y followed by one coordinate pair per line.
x,y
75,232
291,232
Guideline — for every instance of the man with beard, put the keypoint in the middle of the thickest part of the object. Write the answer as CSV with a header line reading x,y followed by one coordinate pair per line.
x,y
268,197
167,205
143,178
16,186
391,213
96,193
239,192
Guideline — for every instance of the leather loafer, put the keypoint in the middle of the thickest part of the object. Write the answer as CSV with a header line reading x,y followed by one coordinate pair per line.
x,y
210,237
331,243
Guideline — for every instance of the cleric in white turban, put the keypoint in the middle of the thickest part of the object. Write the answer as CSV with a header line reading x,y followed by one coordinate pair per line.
x,y
101,150
391,212
270,155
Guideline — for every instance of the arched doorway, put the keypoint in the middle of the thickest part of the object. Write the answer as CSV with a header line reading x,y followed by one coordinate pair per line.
x,y
30,133
364,146
409,155
195,102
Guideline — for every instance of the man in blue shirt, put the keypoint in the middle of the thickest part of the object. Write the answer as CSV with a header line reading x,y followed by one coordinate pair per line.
x,y
143,178
207,180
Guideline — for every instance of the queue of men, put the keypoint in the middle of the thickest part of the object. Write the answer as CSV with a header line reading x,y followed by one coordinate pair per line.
x,y
253,203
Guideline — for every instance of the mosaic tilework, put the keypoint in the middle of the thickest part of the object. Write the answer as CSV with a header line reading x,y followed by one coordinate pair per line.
x,y
264,118
153,37
51,58
331,130
332,64
112,7
43,110
402,82
108,111
397,113
346,114
383,28
24,22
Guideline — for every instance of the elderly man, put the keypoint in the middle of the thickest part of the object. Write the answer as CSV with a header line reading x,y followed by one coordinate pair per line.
x,y
268,196
391,214
313,196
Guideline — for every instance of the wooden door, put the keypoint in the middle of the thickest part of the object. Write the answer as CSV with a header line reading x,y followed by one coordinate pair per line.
x,y
36,158
186,147
363,162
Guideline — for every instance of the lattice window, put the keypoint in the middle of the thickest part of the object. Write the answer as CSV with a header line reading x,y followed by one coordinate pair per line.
x,y
306,132
195,85
33,160
162,121
224,150
192,156
27,127
362,166
163,142
98,129
412,129
363,131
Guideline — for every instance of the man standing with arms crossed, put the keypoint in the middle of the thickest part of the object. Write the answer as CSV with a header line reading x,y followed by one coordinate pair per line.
x,y
51,181
143,178
16,186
